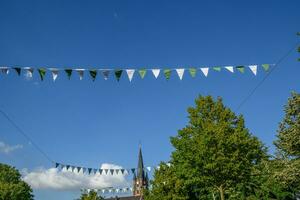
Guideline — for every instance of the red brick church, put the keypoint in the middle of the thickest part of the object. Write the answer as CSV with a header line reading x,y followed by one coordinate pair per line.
x,y
140,181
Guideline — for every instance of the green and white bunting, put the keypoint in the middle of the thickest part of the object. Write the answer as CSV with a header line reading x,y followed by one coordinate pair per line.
x,y
55,72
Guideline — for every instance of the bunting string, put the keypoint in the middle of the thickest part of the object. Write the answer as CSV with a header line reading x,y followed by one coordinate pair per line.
x,y
117,73
108,190
109,171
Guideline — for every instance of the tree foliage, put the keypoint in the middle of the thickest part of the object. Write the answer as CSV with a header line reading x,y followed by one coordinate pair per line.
x,y
215,156
91,195
11,185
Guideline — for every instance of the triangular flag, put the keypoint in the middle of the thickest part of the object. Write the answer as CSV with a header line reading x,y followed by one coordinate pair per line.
x,y
266,66
117,171
241,68
180,73
69,73
122,170
130,73
68,166
105,74
106,171
80,73
193,72
42,73
142,73
56,165
156,72
62,166
89,170
4,70
229,68
100,171
83,170
112,171
72,168
95,171
149,169
29,72
218,69
167,73
18,70
78,169
118,74
253,68
93,74
54,73
133,170
205,71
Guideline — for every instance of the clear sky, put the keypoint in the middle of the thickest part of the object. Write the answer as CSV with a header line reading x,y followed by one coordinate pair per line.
x,y
89,123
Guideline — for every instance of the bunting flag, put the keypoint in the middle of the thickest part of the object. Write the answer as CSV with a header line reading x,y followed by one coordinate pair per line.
x,y
4,70
156,72
130,73
80,73
142,73
180,73
241,68
266,67
105,74
89,170
193,72
18,70
218,69
100,171
106,171
107,190
205,71
69,73
54,73
78,169
42,73
56,165
167,73
93,74
133,170
118,74
229,68
253,68
29,72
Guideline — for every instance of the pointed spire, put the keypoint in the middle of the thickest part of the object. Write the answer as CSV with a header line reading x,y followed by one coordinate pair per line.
x,y
140,168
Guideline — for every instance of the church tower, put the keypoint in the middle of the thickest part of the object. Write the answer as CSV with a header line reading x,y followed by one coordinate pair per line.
x,y
140,178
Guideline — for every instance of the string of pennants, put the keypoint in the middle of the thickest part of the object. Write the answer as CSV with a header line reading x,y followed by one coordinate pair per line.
x,y
29,71
85,170
109,190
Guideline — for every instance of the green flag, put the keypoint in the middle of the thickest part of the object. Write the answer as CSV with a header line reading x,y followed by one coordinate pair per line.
x,y
167,73
193,72
241,68
42,73
142,73
266,67
93,74
118,74
18,70
69,73
218,69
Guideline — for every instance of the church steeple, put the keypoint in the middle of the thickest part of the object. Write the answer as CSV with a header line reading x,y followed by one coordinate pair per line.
x,y
140,181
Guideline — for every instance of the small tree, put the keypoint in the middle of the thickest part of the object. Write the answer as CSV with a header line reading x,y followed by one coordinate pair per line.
x,y
91,195
11,185
215,156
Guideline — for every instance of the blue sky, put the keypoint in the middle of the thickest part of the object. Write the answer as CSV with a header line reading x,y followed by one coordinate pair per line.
x,y
89,123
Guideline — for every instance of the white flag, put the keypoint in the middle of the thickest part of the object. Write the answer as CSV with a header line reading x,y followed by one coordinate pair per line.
x,y
29,72
149,169
80,73
156,72
54,73
130,73
229,68
253,68
180,73
205,71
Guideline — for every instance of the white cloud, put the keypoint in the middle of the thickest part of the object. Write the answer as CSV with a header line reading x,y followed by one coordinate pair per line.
x,y
5,148
53,178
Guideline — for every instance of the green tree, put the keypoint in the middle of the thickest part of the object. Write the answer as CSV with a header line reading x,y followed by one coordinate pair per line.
x,y
288,137
215,156
91,195
11,185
